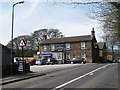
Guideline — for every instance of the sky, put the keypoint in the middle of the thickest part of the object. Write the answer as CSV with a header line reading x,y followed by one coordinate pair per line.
x,y
39,14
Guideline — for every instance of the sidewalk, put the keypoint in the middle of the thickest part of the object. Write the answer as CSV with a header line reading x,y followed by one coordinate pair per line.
x,y
43,70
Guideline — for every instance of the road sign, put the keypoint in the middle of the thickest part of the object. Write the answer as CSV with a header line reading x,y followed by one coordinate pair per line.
x,y
22,43
21,66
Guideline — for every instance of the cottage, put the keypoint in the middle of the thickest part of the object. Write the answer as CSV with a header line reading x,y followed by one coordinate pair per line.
x,y
82,47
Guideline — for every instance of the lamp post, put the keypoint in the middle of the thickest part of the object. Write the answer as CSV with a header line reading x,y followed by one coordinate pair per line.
x,y
20,2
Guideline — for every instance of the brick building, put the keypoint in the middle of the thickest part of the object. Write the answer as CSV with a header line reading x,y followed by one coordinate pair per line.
x,y
82,47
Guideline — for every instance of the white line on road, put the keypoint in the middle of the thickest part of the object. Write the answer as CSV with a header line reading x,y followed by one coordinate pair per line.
x,y
89,73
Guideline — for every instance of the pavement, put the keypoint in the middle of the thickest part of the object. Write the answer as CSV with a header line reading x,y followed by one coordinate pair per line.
x,y
36,71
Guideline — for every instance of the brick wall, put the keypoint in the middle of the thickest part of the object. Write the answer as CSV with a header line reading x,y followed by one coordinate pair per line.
x,y
76,51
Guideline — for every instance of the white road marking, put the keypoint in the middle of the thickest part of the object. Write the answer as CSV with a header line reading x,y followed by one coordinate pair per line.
x,y
89,73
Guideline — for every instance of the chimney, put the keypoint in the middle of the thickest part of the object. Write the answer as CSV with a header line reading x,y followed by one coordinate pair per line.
x,y
92,32
45,37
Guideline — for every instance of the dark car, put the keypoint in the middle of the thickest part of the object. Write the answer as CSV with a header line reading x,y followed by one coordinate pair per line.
x,y
44,61
54,61
83,61
76,60
67,61
51,61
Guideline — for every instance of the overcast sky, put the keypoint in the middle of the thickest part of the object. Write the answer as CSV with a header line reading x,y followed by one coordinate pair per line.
x,y
34,15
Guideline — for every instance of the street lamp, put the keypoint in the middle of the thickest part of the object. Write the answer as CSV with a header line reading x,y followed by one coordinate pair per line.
x,y
20,2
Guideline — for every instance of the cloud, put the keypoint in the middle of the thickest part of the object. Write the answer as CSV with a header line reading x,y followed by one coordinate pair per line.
x,y
72,28
32,16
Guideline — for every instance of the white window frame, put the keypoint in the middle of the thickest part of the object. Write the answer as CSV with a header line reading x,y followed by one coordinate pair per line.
x,y
67,46
82,45
52,47
83,55
44,47
67,56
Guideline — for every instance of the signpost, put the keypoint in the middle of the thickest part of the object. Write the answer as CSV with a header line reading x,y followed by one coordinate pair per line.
x,y
21,63
22,44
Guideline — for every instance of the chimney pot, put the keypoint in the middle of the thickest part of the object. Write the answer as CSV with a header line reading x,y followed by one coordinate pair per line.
x,y
93,32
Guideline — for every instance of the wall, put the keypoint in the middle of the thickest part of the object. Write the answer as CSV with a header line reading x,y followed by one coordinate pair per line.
x,y
75,51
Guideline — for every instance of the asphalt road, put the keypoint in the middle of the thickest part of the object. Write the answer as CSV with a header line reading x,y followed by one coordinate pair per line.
x,y
84,76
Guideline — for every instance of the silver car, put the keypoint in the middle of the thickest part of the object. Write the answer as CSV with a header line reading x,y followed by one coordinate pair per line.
x,y
38,62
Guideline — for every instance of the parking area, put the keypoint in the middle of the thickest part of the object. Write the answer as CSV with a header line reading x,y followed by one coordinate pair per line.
x,y
38,68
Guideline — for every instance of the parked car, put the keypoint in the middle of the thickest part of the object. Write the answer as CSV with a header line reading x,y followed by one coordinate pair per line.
x,y
32,62
67,61
76,60
27,62
54,61
44,61
51,61
38,62
83,61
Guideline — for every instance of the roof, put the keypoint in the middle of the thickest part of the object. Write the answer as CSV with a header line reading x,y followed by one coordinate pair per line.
x,y
101,45
67,39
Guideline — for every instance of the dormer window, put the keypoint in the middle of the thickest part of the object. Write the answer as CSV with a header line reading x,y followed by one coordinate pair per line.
x,y
82,45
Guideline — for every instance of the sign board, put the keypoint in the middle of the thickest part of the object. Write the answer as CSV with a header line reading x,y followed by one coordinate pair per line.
x,y
46,54
21,65
22,43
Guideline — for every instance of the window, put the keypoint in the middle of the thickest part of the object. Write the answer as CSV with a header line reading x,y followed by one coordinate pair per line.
x,y
67,46
44,48
83,56
68,56
52,47
82,45
60,47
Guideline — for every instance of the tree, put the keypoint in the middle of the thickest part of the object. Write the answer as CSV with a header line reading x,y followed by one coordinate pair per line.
x,y
16,42
109,16
39,35
32,41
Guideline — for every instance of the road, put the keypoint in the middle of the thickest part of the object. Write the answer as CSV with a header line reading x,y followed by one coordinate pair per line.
x,y
84,76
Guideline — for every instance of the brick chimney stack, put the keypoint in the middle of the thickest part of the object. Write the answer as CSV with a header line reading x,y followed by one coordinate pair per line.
x,y
45,37
93,32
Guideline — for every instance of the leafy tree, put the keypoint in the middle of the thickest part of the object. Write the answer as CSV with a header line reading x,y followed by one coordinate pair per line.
x,y
33,40
42,34
16,42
